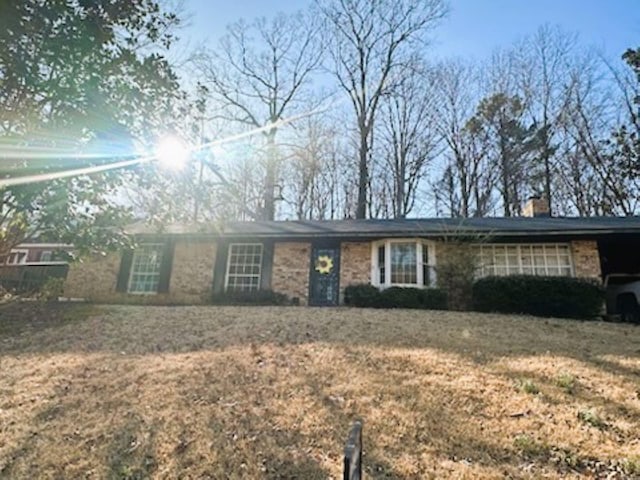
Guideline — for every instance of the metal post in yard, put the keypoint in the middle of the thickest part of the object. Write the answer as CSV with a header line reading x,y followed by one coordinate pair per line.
x,y
353,453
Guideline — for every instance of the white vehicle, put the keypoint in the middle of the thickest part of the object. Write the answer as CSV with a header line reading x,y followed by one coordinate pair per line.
x,y
623,295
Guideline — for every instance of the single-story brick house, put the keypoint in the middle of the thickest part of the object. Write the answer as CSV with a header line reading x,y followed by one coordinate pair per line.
x,y
312,261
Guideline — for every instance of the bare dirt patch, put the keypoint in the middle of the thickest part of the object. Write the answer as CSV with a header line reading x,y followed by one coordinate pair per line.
x,y
229,392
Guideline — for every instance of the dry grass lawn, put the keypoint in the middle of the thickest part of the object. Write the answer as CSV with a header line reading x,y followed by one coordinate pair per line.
x,y
227,392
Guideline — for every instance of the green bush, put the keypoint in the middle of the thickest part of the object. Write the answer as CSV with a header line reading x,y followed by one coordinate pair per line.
x,y
362,295
52,289
395,297
536,295
257,297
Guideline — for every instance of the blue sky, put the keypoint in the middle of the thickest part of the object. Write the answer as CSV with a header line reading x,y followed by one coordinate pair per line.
x,y
474,28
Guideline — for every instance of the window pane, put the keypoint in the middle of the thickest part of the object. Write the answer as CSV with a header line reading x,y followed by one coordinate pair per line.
x,y
244,268
499,259
565,271
500,271
539,259
145,269
403,263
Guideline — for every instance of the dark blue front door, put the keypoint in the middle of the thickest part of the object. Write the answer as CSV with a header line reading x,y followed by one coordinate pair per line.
x,y
324,281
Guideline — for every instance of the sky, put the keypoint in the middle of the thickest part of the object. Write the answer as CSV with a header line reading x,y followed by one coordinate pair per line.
x,y
473,28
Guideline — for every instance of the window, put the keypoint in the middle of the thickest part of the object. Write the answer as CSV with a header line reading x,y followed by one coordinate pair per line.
x,y
534,259
17,257
46,256
145,269
244,267
403,263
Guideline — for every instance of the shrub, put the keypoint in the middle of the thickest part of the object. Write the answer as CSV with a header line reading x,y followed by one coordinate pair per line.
x,y
406,297
536,295
256,297
362,295
395,297
52,289
457,267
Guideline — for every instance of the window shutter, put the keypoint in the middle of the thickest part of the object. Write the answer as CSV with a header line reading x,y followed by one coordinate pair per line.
x,y
381,265
166,266
267,265
122,283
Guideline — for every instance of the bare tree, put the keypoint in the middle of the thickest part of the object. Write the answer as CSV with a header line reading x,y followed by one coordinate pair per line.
x,y
579,188
467,182
371,41
593,117
408,136
315,170
258,74
545,60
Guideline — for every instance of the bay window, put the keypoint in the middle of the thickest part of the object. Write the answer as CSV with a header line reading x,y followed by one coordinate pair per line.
x,y
406,263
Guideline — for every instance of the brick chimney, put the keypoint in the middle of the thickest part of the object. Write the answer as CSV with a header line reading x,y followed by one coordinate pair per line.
x,y
536,207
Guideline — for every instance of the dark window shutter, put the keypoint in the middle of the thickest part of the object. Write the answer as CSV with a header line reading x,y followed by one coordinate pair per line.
x,y
267,265
381,264
220,267
122,285
166,266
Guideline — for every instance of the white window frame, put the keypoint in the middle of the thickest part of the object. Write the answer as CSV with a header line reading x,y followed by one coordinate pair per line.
x,y
16,252
258,275
519,247
419,245
159,247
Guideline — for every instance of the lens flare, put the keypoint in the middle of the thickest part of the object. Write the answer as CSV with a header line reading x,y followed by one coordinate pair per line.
x,y
172,153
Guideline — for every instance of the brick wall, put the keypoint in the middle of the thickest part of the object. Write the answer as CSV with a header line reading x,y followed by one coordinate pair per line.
x,y
93,278
586,259
191,279
290,270
355,264
192,272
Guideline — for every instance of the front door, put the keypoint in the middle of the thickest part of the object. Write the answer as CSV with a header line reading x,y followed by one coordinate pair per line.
x,y
324,281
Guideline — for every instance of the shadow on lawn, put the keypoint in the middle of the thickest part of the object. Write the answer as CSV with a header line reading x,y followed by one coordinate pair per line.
x,y
125,436
49,328
136,427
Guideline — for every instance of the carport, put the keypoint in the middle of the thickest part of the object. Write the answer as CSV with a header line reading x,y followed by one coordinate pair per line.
x,y
620,264
620,254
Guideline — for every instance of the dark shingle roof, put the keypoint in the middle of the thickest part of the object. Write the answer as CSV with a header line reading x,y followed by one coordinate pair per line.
x,y
423,227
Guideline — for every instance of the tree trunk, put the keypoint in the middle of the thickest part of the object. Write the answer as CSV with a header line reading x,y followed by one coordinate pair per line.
x,y
269,200
363,175
401,202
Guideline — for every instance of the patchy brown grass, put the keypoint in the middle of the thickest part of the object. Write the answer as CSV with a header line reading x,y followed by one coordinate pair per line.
x,y
227,392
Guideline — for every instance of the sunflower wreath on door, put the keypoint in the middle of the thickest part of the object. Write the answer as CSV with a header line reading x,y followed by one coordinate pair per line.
x,y
324,264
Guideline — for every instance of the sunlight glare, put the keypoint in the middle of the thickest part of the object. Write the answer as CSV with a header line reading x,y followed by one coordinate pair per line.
x,y
172,153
